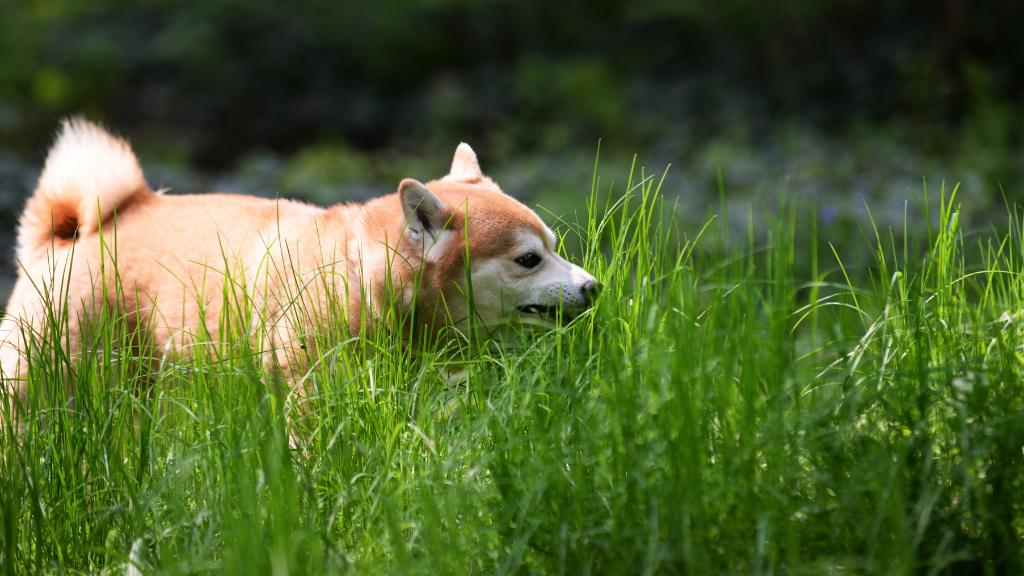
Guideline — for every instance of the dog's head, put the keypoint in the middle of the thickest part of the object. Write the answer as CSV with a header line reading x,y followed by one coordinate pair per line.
x,y
514,270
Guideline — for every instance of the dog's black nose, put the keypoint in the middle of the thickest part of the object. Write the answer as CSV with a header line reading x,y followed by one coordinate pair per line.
x,y
590,290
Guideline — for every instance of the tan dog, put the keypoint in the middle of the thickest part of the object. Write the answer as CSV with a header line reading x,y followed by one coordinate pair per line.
x,y
176,255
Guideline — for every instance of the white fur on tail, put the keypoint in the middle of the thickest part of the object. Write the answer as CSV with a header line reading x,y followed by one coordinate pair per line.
x,y
88,174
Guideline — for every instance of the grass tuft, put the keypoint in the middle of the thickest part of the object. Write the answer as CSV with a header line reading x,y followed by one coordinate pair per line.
x,y
718,411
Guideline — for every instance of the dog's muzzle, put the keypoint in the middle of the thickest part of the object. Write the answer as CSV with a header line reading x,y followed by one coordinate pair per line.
x,y
589,292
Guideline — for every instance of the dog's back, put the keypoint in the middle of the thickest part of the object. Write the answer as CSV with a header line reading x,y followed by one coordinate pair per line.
x,y
94,226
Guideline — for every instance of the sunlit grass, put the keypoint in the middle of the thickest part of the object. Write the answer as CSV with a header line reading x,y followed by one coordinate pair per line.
x,y
714,413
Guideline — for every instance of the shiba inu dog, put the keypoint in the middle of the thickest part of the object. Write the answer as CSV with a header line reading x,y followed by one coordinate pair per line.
x,y
94,221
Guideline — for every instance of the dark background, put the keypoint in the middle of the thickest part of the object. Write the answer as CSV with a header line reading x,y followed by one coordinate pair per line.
x,y
841,103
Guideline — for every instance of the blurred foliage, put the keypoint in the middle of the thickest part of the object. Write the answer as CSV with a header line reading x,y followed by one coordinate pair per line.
x,y
217,78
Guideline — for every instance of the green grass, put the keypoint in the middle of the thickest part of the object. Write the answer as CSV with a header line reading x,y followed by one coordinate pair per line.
x,y
724,409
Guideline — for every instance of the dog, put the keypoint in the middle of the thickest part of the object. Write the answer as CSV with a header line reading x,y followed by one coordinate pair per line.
x,y
451,251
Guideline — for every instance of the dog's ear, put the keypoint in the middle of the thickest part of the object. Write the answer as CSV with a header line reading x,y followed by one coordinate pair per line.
x,y
424,212
465,166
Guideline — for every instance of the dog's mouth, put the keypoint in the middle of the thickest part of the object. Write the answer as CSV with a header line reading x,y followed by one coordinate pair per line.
x,y
547,313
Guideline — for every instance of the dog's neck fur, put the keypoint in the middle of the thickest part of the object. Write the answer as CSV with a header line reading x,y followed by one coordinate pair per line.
x,y
392,274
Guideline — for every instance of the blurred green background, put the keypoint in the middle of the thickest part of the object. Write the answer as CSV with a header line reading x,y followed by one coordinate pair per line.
x,y
834,104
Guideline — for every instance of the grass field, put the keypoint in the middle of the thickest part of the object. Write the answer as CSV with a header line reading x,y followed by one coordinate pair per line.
x,y
725,408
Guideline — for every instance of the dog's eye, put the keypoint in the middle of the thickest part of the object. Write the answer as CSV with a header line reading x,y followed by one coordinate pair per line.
x,y
528,260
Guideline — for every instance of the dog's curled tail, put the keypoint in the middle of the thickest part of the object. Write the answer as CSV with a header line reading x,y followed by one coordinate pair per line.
x,y
88,174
